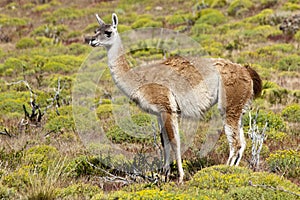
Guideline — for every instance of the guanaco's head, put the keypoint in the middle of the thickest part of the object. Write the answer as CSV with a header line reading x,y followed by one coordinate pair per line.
x,y
106,34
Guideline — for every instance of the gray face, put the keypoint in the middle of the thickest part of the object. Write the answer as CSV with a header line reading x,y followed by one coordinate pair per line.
x,y
104,35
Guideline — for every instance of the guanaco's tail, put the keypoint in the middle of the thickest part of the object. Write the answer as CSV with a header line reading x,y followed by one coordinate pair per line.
x,y
257,82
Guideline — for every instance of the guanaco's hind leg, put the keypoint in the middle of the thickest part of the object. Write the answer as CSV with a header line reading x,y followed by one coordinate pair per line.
x,y
236,139
170,138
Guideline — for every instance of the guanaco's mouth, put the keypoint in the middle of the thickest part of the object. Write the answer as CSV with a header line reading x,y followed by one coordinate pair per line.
x,y
92,41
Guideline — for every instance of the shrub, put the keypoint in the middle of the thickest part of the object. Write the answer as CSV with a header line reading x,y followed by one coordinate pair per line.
x,y
50,31
178,18
260,33
285,162
289,63
291,113
78,49
235,181
262,18
13,66
62,14
12,21
239,7
291,6
138,128
211,17
218,3
274,120
39,158
146,22
61,124
274,93
25,43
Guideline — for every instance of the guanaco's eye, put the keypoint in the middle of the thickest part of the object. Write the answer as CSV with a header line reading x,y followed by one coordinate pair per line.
x,y
107,33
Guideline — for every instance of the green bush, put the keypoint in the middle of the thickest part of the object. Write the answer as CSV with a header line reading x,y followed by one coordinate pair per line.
x,y
235,180
6,21
25,43
62,14
274,120
218,3
239,7
13,66
289,63
39,158
50,31
260,33
78,49
291,6
262,18
211,16
291,113
146,22
60,124
285,162
42,8
274,93
136,129
178,18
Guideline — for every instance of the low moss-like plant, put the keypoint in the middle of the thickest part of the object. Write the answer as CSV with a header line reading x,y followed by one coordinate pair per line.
x,y
285,162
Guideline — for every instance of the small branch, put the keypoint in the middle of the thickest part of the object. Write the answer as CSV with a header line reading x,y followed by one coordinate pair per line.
x,y
273,188
110,177
257,138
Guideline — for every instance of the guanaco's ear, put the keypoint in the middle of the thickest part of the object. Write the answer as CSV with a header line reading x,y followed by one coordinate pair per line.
x,y
100,21
114,20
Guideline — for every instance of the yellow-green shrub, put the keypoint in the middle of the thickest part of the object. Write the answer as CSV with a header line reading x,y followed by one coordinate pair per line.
x,y
236,180
291,113
211,16
25,43
285,162
239,7
289,63
274,93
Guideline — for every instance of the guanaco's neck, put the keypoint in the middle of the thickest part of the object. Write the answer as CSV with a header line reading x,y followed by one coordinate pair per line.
x,y
116,58
119,68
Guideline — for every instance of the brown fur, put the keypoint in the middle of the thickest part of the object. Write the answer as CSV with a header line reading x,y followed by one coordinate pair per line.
x,y
157,94
236,81
257,83
185,69
167,118
123,65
